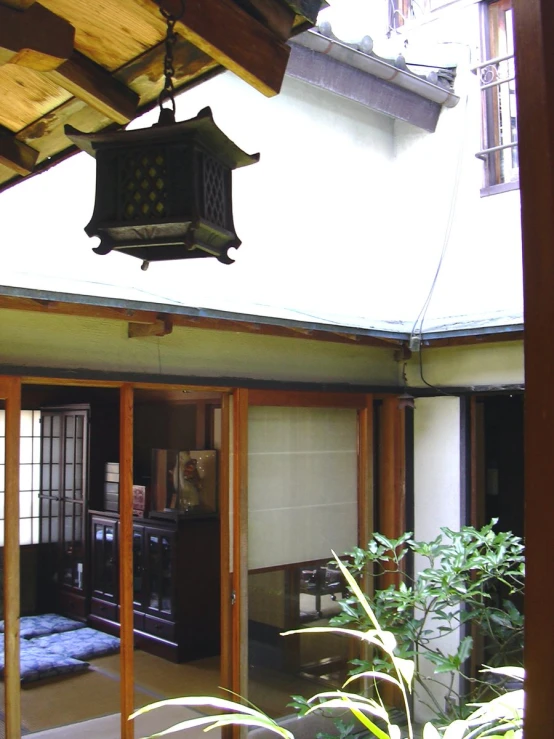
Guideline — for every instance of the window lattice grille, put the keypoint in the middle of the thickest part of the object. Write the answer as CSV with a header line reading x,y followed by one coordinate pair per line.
x,y
214,191
144,177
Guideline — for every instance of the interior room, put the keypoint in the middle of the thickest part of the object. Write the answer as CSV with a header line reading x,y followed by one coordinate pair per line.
x,y
69,530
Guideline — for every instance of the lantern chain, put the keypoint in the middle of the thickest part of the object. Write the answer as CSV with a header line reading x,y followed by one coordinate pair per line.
x,y
168,90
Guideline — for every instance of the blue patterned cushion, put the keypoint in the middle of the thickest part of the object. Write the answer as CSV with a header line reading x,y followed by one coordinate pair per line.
x,y
83,644
37,663
47,623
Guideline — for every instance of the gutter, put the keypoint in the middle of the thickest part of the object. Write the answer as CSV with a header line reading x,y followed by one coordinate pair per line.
x,y
371,64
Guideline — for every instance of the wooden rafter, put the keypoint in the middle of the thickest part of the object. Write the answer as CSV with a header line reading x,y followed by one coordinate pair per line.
x,y
16,155
275,16
18,4
233,38
37,38
90,83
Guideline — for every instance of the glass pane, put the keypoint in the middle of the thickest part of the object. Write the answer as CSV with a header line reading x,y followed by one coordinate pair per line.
x,y
25,450
154,566
56,426
2,422
302,483
2,470
25,531
138,567
26,477
25,504
26,425
165,604
69,427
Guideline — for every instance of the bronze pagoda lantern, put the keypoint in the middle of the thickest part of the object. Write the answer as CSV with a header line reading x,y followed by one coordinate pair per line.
x,y
164,192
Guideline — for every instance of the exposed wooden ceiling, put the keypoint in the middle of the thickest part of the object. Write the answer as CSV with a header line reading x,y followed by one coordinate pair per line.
x,y
99,63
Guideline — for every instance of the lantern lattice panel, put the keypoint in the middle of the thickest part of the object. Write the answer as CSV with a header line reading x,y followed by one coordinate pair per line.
x,y
144,178
214,191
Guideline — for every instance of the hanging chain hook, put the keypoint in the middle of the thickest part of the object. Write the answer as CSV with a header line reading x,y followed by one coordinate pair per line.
x,y
168,91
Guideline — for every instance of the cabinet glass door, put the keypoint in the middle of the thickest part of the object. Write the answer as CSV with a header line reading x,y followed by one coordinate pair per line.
x,y
138,567
160,554
104,570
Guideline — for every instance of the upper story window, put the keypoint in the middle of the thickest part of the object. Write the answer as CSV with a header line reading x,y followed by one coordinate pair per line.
x,y
498,91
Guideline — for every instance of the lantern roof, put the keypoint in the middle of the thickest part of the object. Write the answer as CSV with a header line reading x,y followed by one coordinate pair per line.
x,y
202,129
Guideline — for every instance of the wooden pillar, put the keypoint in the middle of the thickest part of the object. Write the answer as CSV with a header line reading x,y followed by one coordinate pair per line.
x,y
240,542
534,30
126,557
10,389
226,665
365,472
392,493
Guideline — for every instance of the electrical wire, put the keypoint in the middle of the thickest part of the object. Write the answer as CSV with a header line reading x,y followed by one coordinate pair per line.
x,y
416,335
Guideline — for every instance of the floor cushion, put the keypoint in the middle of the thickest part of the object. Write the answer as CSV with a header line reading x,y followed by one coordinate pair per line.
x,y
82,644
36,663
46,623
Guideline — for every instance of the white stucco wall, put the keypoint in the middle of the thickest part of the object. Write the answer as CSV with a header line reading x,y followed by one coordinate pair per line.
x,y
440,182
474,365
437,493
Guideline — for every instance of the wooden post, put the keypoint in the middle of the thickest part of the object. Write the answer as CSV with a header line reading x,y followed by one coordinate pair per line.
x,y
240,542
126,557
365,472
392,498
534,30
10,389
226,665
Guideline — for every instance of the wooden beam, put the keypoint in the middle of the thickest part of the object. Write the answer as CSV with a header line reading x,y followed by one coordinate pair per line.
x,y
534,29
94,86
233,38
17,4
10,390
275,16
126,558
16,155
37,39
160,327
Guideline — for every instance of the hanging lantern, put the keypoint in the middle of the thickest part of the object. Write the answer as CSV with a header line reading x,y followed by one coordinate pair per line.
x,y
164,192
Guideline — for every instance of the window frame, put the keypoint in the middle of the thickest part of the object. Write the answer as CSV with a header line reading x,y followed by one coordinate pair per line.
x,y
495,90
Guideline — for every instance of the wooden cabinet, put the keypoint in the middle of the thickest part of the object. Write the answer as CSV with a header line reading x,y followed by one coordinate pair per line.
x,y
63,496
175,584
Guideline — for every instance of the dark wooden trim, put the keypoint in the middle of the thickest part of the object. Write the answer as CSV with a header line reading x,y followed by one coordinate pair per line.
x,y
126,559
10,390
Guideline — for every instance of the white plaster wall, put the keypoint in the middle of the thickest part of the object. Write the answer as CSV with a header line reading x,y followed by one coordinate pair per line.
x,y
68,342
439,183
469,366
310,213
437,492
